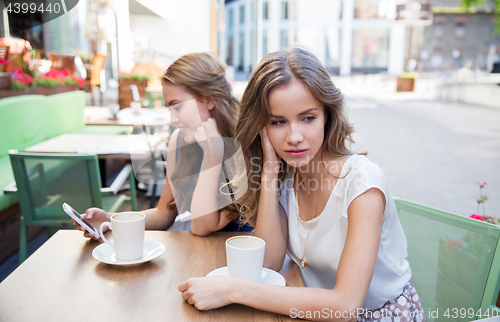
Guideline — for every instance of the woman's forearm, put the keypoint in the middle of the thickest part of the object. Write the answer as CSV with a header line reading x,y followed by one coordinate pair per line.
x,y
269,226
205,215
159,220
314,304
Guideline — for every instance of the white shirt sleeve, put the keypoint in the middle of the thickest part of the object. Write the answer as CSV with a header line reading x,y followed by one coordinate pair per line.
x,y
363,176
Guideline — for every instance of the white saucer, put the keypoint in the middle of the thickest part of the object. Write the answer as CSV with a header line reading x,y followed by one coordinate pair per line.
x,y
106,254
268,276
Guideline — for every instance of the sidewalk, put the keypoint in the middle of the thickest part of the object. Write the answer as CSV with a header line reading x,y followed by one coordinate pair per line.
x,y
432,152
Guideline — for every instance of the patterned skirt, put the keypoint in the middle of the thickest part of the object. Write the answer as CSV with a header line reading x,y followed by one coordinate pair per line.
x,y
404,308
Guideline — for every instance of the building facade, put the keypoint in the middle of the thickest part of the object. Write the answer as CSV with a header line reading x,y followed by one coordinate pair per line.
x,y
457,36
348,36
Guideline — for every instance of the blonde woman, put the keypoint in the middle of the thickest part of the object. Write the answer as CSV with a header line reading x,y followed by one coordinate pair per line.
x,y
201,104
309,196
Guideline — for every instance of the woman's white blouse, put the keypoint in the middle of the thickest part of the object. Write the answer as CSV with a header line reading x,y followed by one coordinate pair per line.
x,y
329,231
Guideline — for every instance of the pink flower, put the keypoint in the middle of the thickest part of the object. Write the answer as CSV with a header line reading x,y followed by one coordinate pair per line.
x,y
5,62
476,216
478,182
485,183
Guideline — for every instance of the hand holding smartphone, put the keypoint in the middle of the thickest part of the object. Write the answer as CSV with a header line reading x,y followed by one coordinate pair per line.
x,y
80,220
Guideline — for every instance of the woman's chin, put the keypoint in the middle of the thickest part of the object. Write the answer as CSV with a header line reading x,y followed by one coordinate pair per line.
x,y
296,162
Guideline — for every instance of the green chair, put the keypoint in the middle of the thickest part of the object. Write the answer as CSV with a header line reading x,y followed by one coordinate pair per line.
x,y
45,181
455,262
153,96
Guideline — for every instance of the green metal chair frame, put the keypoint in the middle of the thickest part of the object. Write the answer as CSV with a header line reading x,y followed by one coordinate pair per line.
x,y
55,217
485,290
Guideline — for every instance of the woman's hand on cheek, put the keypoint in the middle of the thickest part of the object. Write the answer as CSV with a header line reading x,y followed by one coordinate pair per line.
x,y
271,159
207,293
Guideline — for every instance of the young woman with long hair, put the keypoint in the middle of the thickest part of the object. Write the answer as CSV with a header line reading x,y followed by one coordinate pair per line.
x,y
203,108
309,196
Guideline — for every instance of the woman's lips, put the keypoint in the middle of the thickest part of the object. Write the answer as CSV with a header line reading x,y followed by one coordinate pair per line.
x,y
296,152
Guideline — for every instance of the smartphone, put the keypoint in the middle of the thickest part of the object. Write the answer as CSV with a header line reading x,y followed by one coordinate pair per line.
x,y
80,220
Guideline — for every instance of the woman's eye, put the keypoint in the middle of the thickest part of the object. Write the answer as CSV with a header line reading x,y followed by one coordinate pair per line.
x,y
277,122
309,118
177,107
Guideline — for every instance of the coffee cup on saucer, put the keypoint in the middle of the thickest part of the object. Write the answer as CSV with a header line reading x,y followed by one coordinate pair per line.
x,y
245,257
128,234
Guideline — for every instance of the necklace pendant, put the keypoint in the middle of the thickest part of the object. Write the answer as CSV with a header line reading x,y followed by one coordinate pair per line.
x,y
302,263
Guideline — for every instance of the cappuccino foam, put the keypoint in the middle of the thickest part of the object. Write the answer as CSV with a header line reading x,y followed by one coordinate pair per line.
x,y
246,242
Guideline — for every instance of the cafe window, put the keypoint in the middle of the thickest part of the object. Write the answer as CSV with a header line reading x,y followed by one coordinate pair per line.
x,y
439,23
493,21
287,10
253,50
242,15
252,11
265,42
284,38
241,53
460,25
436,60
370,48
230,50
265,10
230,22
332,39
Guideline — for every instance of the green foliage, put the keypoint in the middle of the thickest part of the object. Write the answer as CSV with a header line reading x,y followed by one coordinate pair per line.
x,y
136,77
70,81
467,4
409,75
46,82
18,86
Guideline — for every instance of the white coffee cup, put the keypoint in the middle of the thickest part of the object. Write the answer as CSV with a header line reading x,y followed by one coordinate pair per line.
x,y
128,234
245,257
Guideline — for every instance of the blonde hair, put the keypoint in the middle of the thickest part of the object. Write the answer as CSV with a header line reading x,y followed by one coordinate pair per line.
x,y
281,68
202,74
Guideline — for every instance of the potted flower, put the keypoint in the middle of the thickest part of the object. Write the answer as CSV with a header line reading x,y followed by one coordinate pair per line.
x,y
406,82
87,58
52,82
58,81
20,80
124,82
142,75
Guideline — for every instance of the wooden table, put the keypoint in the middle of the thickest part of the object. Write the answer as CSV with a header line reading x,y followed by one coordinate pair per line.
x,y
61,281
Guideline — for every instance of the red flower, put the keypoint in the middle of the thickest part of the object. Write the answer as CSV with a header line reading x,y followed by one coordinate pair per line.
x,y
17,75
4,62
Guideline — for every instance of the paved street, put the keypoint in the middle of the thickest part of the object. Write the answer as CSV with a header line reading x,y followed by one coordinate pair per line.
x,y
431,152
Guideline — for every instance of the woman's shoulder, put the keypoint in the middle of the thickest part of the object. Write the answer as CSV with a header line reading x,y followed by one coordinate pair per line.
x,y
359,171
361,164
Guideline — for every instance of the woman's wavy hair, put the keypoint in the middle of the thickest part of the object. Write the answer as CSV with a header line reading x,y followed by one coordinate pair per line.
x,y
276,69
202,74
